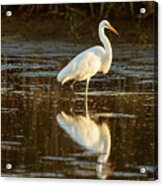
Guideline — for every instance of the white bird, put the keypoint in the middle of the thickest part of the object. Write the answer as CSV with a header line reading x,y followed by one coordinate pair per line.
x,y
89,134
89,62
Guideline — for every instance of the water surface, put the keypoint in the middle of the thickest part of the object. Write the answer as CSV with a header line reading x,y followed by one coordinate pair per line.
x,y
46,129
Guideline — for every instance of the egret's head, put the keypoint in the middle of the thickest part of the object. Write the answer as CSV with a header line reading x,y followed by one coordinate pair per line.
x,y
107,25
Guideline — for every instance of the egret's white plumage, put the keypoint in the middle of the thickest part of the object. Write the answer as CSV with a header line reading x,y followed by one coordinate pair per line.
x,y
89,62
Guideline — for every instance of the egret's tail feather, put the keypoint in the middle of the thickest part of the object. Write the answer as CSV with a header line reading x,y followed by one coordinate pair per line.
x,y
59,77
63,79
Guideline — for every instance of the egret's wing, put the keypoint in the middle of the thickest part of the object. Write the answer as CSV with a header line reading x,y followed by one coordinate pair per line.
x,y
88,66
81,129
84,65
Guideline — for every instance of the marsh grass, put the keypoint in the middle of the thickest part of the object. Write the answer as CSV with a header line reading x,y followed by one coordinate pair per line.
x,y
76,18
84,10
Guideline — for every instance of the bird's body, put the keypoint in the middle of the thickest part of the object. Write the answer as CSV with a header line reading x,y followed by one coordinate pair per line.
x,y
83,66
89,62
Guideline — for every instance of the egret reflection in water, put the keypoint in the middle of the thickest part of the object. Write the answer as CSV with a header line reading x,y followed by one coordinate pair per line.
x,y
92,135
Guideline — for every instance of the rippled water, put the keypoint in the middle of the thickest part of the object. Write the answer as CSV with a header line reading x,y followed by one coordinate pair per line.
x,y
47,130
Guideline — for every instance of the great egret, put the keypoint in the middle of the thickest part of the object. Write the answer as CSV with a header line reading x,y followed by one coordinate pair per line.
x,y
89,62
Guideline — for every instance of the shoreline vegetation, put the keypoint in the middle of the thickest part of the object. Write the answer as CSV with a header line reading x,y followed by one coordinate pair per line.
x,y
78,22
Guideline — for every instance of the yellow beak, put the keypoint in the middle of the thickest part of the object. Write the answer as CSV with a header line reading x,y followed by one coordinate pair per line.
x,y
113,29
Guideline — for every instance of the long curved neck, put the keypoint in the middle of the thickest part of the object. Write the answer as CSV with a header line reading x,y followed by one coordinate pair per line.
x,y
105,41
107,58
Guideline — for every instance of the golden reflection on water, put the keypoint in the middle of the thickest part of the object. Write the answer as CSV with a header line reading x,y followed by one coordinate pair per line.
x,y
95,137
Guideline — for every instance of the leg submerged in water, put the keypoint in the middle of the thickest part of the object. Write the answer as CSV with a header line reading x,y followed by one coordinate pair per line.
x,y
87,86
86,95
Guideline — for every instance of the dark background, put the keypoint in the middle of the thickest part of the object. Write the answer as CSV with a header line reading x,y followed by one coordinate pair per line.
x,y
77,22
